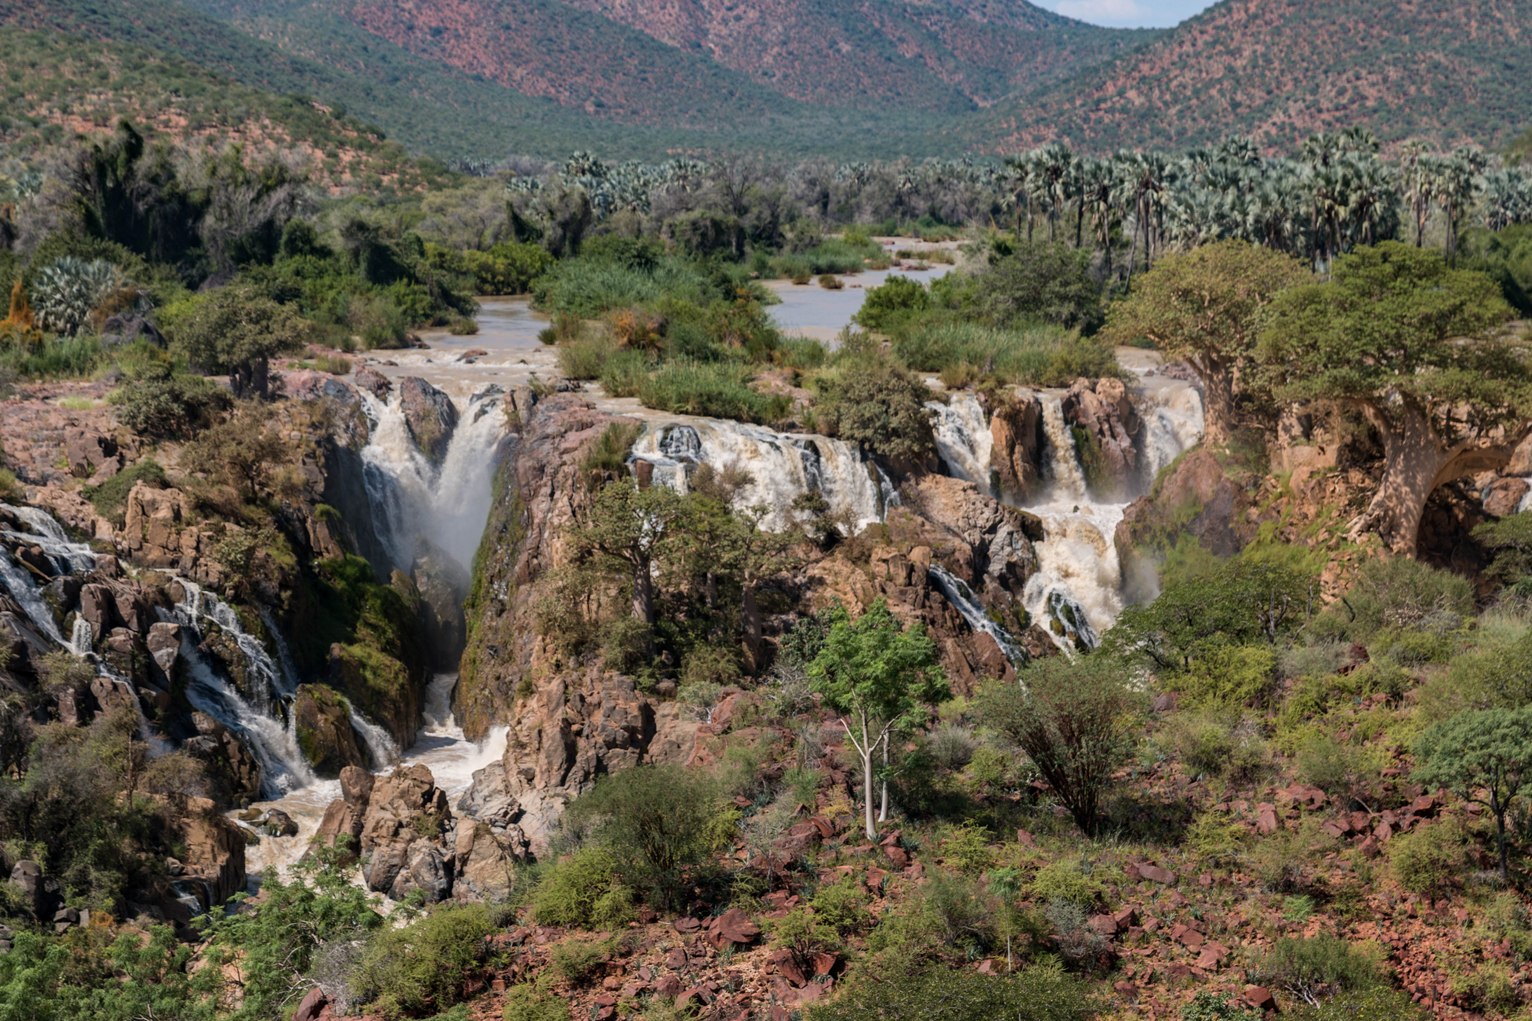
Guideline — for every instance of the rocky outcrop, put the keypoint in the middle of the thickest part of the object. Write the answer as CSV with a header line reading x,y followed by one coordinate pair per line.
x,y
323,726
982,544
1106,428
342,822
442,585
538,491
571,729
403,828
410,843
1016,429
429,415
234,773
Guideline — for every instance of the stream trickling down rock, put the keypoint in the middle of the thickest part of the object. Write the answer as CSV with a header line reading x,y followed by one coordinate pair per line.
x,y
420,508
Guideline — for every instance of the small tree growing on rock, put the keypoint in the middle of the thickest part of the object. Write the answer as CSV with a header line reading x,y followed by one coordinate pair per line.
x,y
236,332
1412,344
878,676
1483,756
1203,307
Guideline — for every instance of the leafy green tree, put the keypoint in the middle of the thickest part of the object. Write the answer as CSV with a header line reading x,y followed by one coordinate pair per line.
x,y
237,332
1484,757
429,965
1076,720
1208,603
1035,283
276,943
881,409
1411,344
661,824
1510,539
1203,307
879,676
161,404
632,528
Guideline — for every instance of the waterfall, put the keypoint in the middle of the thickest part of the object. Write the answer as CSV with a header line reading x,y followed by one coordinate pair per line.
x,y
197,609
963,600
963,439
283,766
381,750
48,535
441,746
1076,591
66,557
81,638
267,726
413,500
782,467
25,591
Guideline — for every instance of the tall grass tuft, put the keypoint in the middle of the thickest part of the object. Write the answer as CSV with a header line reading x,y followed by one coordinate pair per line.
x,y
713,389
1032,356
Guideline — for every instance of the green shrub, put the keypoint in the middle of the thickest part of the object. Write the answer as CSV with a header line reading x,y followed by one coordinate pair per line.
x,y
608,455
110,498
1319,967
844,905
583,890
528,1003
585,356
1215,838
1066,881
894,301
659,824
430,964
941,994
965,848
1429,858
1343,769
577,960
1032,355
804,934
878,408
1376,1004
1210,1007
1230,676
165,406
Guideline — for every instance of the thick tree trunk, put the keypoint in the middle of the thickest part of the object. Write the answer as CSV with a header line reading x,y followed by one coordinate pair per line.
x,y
643,592
1217,400
1416,460
751,611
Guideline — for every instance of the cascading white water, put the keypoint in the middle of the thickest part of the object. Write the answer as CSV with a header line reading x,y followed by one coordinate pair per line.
x,y
413,500
268,727
48,535
963,439
441,746
1076,591
963,600
81,637
382,752
27,596
782,467
198,609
